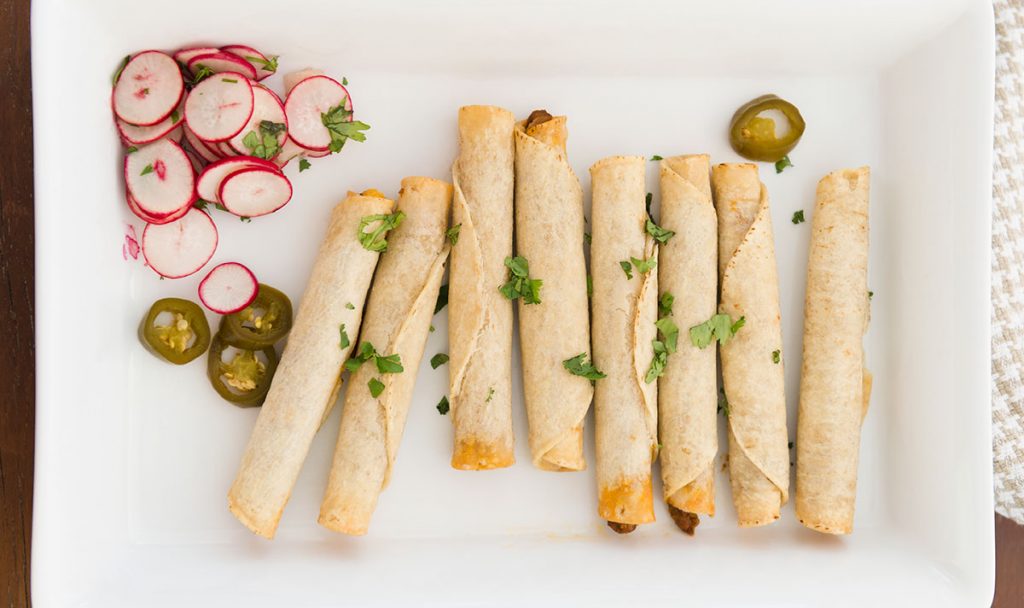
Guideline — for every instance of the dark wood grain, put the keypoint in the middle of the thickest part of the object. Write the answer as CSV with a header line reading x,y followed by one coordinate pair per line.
x,y
17,352
17,349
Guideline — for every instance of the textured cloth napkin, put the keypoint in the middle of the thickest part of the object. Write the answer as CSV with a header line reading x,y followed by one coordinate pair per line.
x,y
1008,262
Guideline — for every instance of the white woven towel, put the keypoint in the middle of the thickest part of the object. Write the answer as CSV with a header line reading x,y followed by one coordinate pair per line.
x,y
1008,263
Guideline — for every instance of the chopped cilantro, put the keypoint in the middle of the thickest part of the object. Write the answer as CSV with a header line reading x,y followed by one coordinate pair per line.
x,y
520,285
578,366
438,360
376,387
442,406
304,164
374,240
782,163
798,217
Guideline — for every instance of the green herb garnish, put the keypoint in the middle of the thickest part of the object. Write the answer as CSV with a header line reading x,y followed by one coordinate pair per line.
x,y
626,268
520,285
304,164
578,366
374,240
647,202
376,387
453,234
339,123
665,303
202,73
442,406
656,157
646,265
245,219
776,356
131,149
438,360
147,170
590,286
782,163
390,364
120,68
350,306
269,65
231,80
442,298
345,342
490,395
344,81
386,364
264,144
723,403
589,239
720,327
660,234
798,217
175,117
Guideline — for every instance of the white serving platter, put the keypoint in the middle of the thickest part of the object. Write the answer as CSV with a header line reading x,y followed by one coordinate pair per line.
x,y
134,457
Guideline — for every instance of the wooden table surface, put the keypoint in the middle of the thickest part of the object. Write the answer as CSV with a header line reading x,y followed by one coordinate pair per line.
x,y
17,351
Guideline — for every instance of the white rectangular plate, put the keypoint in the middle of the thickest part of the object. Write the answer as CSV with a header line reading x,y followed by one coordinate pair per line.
x,y
134,457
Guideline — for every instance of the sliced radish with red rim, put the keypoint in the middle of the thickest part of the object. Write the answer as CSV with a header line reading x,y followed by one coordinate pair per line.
x,y
225,149
185,55
222,63
181,247
267,107
219,107
148,89
201,148
198,164
255,192
228,288
160,179
208,184
134,135
149,219
260,62
306,104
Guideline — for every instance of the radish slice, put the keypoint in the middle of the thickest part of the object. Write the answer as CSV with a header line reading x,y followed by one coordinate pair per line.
x,y
134,135
181,247
221,63
218,107
185,55
260,62
201,148
208,184
228,288
149,219
267,107
225,149
294,78
159,177
148,90
255,192
198,164
306,102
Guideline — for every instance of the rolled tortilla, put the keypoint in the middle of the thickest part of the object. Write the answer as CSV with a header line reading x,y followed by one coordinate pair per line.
x,y
549,234
479,316
397,321
758,450
687,392
305,383
624,313
834,384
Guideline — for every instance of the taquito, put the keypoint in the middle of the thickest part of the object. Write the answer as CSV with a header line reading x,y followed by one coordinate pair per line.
x,y
397,322
752,372
687,392
625,309
549,234
479,316
834,384
308,375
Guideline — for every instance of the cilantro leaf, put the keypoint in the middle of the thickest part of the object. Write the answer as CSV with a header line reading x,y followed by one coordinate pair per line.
x,y
366,352
589,239
578,366
390,364
350,306
438,360
647,202
442,298
269,64
660,234
723,403
147,170
345,342
720,327
342,128
670,331
376,387
782,163
202,73
798,217
442,406
453,234
520,285
665,303
304,164
490,395
131,149
590,286
626,268
120,68
657,157
374,240
644,266
229,80
776,356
